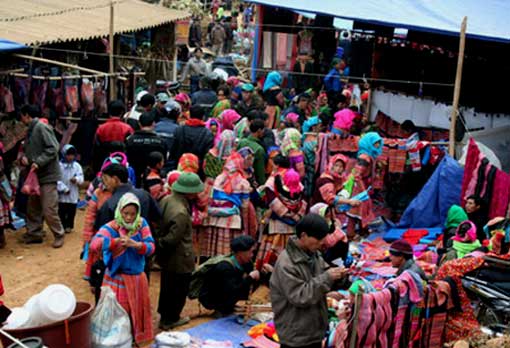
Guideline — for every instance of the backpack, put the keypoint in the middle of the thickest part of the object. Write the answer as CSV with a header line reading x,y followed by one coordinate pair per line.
x,y
199,275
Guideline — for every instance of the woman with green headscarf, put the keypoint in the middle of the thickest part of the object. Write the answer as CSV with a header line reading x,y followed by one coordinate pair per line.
x,y
456,215
124,243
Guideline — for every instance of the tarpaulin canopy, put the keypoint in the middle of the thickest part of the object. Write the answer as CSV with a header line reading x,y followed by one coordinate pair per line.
x,y
430,207
6,45
487,20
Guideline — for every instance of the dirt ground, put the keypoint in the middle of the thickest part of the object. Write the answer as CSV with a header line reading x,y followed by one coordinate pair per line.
x,y
28,269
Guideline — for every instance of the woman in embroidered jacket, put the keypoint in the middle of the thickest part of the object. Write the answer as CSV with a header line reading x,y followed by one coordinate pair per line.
x,y
284,194
370,147
291,148
228,208
124,244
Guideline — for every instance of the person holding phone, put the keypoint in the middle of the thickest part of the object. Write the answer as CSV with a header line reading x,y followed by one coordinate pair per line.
x,y
300,284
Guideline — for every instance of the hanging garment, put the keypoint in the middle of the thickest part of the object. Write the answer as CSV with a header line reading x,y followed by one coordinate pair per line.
x,y
281,50
267,50
57,100
22,87
6,99
72,102
38,94
100,101
397,160
87,95
501,195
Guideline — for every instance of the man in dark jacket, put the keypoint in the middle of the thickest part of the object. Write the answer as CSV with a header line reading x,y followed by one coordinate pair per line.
x,y
115,178
195,33
229,281
250,101
175,250
41,154
299,285
204,97
143,142
193,137
166,128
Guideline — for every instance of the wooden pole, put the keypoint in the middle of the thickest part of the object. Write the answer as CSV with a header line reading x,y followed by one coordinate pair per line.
x,y
456,91
56,62
113,89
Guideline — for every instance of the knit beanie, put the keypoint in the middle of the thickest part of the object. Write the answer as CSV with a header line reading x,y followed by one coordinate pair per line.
x,y
400,248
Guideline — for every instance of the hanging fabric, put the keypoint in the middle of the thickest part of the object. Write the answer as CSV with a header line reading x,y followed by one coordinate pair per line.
x,y
87,95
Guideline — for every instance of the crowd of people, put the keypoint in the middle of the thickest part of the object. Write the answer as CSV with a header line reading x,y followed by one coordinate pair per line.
x,y
228,170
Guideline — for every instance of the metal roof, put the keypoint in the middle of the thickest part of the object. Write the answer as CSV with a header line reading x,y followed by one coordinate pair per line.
x,y
34,22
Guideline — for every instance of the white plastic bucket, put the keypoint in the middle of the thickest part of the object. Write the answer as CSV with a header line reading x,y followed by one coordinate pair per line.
x,y
55,303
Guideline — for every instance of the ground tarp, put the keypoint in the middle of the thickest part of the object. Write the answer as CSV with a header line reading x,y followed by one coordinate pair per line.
x,y
431,205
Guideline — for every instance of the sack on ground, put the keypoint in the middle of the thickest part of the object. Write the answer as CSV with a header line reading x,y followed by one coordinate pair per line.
x,y
31,185
110,325
198,276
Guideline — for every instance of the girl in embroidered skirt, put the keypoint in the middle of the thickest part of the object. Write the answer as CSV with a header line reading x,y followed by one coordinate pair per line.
x,y
124,244
284,196
228,208
370,147
213,166
291,148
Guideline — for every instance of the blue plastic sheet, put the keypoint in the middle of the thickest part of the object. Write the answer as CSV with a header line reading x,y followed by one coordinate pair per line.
x,y
430,207
224,329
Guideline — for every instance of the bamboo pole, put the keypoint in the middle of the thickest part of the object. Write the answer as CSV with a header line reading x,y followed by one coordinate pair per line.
x,y
56,62
456,91
113,89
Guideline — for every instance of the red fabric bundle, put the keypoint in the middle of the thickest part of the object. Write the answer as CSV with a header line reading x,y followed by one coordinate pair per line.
x,y
87,95
413,236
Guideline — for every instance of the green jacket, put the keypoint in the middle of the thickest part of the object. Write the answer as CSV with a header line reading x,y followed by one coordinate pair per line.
x,y
174,252
259,163
41,147
299,285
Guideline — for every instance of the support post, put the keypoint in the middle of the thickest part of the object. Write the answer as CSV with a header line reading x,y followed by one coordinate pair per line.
x,y
113,86
456,90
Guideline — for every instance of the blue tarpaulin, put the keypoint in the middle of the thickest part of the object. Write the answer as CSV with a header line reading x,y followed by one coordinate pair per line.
x,y
431,205
487,20
6,45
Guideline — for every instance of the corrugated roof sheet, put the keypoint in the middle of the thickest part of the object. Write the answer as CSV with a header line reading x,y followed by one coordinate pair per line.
x,y
49,21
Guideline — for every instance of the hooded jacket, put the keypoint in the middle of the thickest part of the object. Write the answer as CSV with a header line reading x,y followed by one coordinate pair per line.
x,y
299,285
197,140
69,192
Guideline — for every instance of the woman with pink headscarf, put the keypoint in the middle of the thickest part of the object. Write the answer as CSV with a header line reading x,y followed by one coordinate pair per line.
x,y
464,242
343,122
229,118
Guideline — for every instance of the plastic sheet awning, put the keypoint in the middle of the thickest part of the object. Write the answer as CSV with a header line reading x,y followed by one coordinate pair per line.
x,y
430,207
6,45
487,20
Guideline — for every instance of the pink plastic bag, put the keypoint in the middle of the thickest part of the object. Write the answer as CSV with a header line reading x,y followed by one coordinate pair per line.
x,y
31,185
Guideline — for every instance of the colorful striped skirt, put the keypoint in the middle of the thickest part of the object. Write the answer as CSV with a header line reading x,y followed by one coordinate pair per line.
x,y
216,240
132,292
270,248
